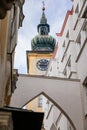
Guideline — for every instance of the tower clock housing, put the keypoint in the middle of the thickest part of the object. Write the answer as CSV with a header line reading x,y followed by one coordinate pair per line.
x,y
43,46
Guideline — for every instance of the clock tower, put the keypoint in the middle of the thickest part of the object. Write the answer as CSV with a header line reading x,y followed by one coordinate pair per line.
x,y
43,46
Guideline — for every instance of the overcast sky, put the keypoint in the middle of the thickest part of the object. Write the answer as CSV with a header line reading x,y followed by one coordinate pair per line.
x,y
55,11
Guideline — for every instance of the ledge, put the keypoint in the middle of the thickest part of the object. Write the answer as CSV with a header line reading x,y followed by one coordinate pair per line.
x,y
46,77
81,50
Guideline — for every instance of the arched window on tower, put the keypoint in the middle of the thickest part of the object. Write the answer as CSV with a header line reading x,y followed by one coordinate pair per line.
x,y
43,31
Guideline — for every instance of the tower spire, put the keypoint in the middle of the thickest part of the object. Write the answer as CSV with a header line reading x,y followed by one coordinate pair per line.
x,y
43,8
43,41
43,19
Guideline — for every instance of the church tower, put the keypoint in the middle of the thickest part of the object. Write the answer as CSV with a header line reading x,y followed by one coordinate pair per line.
x,y
43,46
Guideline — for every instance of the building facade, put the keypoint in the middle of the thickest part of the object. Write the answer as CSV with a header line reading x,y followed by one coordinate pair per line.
x,y
11,17
68,91
71,55
36,60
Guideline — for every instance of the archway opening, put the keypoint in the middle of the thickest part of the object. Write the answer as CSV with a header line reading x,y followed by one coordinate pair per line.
x,y
55,118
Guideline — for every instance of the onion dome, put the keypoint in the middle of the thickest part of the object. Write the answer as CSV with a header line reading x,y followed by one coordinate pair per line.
x,y
43,41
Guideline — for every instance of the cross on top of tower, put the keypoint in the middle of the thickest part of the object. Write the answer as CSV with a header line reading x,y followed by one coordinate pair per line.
x,y
43,8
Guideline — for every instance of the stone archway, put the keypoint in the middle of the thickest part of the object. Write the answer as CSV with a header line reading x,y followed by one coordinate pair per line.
x,y
65,93
57,105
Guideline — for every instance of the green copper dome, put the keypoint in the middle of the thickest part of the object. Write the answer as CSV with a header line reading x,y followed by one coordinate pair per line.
x,y
43,41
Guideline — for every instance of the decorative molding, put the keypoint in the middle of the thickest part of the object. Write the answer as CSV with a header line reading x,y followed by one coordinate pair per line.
x,y
6,121
14,79
49,111
58,119
81,50
4,7
70,12
55,51
85,82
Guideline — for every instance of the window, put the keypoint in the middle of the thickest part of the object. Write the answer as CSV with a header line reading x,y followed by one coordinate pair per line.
x,y
40,101
78,40
85,28
78,44
69,63
51,69
69,127
67,35
85,94
59,128
85,82
43,30
64,44
77,9
65,72
85,13
57,68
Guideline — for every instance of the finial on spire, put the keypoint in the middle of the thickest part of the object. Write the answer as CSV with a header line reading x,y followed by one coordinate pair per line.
x,y
43,8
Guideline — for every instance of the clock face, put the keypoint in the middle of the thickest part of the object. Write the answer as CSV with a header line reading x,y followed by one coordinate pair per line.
x,y
42,64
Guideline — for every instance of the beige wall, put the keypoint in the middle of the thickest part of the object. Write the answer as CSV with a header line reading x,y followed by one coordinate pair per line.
x,y
33,105
32,61
8,39
3,47
55,89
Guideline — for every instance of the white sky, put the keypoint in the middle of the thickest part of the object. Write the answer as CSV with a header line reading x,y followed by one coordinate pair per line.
x,y
55,11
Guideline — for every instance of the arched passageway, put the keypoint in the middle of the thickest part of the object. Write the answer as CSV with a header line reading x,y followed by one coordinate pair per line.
x,y
64,93
53,103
